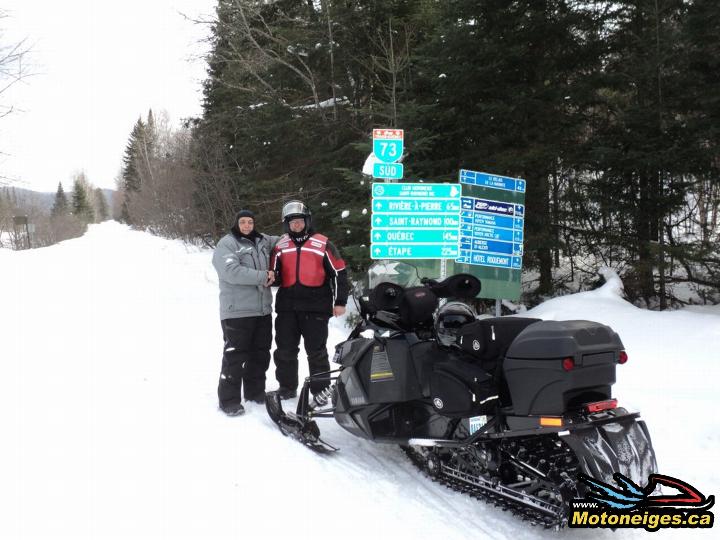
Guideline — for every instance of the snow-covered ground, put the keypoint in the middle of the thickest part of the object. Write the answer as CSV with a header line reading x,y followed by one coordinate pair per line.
x,y
109,357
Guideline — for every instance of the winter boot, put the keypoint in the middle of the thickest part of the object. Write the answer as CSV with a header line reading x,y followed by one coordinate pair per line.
x,y
233,410
287,393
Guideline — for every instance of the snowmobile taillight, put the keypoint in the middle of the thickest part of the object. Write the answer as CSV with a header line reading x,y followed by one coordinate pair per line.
x,y
568,364
551,421
622,357
601,405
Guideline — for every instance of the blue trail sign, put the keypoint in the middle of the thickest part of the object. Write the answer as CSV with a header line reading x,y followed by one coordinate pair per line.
x,y
492,220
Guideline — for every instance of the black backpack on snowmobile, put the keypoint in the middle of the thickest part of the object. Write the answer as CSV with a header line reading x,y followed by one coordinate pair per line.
x,y
512,411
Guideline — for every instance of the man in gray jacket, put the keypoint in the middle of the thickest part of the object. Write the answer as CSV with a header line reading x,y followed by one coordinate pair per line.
x,y
241,260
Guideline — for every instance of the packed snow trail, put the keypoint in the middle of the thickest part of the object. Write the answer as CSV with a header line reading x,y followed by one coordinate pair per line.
x,y
109,357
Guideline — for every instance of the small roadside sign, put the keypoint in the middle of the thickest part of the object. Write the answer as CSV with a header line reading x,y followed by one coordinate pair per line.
x,y
388,171
388,144
495,181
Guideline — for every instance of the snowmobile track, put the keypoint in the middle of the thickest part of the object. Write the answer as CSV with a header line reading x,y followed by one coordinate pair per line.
x,y
523,512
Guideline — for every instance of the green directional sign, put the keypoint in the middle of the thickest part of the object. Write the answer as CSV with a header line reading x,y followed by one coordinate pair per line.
x,y
416,190
448,221
415,221
436,236
420,206
414,251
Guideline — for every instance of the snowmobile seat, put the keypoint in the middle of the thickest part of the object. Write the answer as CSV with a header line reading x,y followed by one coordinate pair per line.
x,y
488,340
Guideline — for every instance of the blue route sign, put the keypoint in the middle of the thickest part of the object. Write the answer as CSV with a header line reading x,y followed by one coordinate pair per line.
x,y
492,221
491,246
415,221
489,259
493,207
491,232
388,144
492,181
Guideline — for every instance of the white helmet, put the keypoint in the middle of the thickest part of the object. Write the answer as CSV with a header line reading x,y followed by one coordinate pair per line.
x,y
293,210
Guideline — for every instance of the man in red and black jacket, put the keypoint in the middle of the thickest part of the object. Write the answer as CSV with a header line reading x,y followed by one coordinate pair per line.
x,y
313,286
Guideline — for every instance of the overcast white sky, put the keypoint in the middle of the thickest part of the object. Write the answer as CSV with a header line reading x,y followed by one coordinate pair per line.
x,y
97,67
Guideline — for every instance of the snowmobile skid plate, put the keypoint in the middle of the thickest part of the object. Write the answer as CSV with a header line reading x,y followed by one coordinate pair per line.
x,y
299,428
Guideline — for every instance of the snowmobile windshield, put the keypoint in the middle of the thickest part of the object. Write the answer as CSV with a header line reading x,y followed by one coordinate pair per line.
x,y
402,273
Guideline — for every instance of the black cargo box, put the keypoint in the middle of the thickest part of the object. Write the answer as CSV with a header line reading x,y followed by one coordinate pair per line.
x,y
534,366
488,340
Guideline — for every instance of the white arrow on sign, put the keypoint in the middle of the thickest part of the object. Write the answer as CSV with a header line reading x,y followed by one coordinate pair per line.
x,y
377,251
378,205
453,191
377,236
378,221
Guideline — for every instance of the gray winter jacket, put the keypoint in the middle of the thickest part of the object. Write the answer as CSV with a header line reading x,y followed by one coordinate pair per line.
x,y
242,267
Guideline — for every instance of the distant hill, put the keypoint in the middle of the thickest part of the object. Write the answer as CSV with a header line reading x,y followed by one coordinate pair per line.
x,y
44,200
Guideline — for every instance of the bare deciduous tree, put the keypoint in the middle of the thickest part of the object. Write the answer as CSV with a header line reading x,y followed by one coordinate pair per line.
x,y
12,70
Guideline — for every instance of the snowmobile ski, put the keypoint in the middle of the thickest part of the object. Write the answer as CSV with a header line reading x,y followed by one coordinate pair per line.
x,y
304,430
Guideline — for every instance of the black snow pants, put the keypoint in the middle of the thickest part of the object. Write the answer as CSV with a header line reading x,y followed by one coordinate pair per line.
x,y
289,327
246,358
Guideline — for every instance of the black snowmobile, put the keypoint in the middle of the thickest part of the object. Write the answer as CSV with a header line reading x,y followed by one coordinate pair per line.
x,y
510,410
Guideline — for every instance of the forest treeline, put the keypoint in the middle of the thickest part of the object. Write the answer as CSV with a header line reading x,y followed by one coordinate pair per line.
x,y
609,110
67,217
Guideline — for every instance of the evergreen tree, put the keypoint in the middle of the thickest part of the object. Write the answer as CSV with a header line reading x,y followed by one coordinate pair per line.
x,y
504,87
130,173
640,154
81,207
60,206
100,205
293,92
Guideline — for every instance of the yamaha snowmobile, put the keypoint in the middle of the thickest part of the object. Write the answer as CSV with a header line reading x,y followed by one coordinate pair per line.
x,y
510,410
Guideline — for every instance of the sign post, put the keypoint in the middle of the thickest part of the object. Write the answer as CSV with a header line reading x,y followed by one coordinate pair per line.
x,y
22,221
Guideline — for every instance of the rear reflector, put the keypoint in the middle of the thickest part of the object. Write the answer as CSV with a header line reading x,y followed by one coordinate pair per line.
x,y
568,364
622,357
551,421
601,405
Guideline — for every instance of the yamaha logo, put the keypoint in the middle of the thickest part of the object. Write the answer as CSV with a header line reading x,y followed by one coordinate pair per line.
x,y
438,403
476,345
